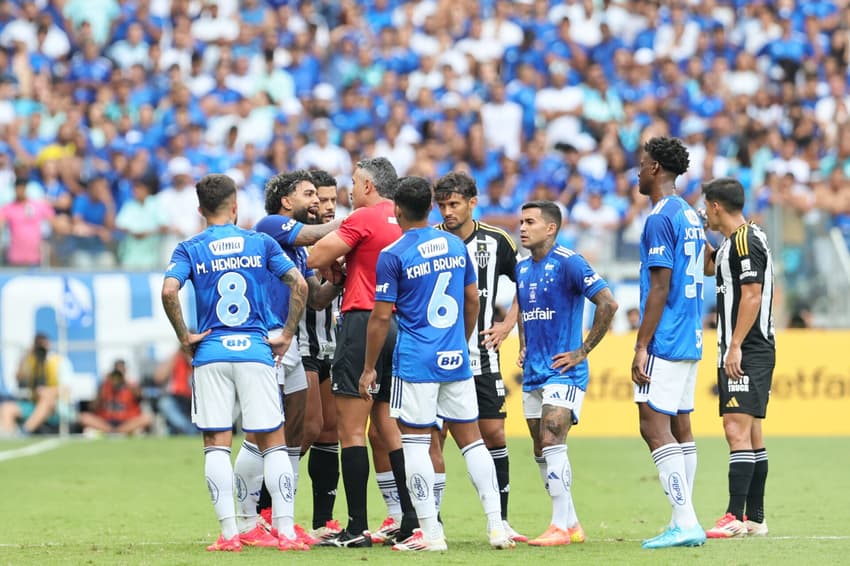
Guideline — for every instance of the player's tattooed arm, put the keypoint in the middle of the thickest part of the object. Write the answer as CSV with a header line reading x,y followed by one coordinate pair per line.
x,y
171,305
320,294
297,299
312,233
606,307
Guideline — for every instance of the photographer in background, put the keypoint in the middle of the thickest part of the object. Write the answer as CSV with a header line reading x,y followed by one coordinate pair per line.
x,y
116,408
38,391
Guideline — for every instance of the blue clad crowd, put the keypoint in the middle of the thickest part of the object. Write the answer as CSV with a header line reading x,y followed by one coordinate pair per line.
x,y
110,110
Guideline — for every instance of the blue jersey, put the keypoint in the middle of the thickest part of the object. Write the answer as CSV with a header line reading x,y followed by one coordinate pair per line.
x,y
551,295
673,238
424,273
283,230
229,268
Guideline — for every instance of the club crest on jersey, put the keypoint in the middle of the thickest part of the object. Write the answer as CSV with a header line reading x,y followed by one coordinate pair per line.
x,y
227,246
532,292
482,255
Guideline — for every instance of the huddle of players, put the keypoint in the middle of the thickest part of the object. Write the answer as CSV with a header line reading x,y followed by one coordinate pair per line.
x,y
441,284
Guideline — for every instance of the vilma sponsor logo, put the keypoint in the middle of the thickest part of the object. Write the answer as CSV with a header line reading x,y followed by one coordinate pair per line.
x,y
227,246
433,248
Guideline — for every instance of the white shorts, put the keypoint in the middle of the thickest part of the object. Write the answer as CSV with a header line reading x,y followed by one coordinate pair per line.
x,y
557,394
291,372
420,405
218,387
672,388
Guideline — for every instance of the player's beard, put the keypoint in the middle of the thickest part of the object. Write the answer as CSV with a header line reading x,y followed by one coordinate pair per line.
x,y
304,216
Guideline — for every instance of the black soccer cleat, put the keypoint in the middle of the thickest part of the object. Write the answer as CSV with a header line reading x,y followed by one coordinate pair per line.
x,y
346,539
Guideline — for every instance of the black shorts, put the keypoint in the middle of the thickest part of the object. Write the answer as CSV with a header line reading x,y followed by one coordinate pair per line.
x,y
749,395
316,365
490,390
350,354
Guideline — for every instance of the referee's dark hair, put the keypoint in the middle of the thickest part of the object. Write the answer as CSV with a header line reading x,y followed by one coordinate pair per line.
x,y
455,182
670,153
548,209
727,191
283,185
413,197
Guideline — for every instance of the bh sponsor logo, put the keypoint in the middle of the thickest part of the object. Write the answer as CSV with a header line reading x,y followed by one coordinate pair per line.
x,y
450,360
236,342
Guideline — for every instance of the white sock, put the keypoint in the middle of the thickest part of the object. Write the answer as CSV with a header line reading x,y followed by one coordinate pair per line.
x,y
559,478
439,488
294,463
420,481
281,485
389,491
689,450
248,470
219,473
671,472
482,472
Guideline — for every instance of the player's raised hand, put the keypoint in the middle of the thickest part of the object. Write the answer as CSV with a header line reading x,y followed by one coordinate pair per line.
x,y
495,335
192,340
368,384
280,345
567,360
639,375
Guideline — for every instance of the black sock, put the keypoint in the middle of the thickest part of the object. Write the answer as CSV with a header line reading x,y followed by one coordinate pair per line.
x,y
503,476
755,497
741,464
265,501
323,467
355,476
408,518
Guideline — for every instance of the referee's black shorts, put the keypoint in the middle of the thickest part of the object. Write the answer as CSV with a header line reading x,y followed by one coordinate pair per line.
x,y
749,395
350,354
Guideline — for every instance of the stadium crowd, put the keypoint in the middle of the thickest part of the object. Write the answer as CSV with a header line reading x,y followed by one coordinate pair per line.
x,y
110,110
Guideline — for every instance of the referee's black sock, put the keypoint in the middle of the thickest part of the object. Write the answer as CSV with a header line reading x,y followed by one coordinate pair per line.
x,y
408,518
323,467
355,476
503,476
741,464
755,497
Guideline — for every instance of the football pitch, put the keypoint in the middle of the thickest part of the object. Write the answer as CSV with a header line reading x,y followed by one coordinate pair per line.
x,y
144,501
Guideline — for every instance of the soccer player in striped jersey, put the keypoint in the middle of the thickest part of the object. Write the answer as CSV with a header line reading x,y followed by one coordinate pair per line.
x,y
746,352
493,254
669,339
229,268
552,286
428,277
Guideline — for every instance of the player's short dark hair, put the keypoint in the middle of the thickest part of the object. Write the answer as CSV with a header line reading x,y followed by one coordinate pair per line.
x,y
455,183
670,153
214,191
382,173
413,197
727,191
322,178
283,185
548,209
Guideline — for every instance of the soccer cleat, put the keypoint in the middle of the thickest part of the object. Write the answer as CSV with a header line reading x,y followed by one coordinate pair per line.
x,y
386,532
554,536
346,539
285,543
265,520
226,545
330,530
676,536
756,529
500,539
258,536
418,542
304,536
512,534
727,526
576,534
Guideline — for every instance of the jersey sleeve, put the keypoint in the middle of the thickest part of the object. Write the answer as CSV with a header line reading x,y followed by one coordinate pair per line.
x,y
507,257
354,228
583,277
660,240
283,229
276,260
750,255
388,272
470,274
180,266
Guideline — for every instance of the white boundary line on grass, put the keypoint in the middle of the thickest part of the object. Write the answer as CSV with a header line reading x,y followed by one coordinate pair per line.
x,y
32,449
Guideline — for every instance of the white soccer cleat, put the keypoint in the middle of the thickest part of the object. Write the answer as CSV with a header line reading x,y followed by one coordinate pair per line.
x,y
756,529
418,542
499,538
727,526
512,534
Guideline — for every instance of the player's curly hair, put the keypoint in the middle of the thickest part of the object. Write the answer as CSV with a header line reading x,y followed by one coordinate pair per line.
x,y
670,153
283,185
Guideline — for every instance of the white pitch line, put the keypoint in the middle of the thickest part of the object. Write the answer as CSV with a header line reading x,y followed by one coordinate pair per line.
x,y
32,449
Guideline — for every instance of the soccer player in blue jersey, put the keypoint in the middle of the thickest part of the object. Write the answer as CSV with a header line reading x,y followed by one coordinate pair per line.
x,y
428,276
552,285
232,356
292,206
669,339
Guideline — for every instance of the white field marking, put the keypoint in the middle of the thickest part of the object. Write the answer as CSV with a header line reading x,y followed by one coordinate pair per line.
x,y
32,449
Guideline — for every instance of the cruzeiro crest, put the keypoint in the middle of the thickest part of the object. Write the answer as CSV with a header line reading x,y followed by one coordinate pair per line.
x,y
482,255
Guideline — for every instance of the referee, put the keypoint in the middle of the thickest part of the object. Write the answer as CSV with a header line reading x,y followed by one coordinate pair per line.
x,y
747,351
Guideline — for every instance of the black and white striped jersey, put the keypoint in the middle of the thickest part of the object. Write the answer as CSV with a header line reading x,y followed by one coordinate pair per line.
x,y
744,258
317,331
494,253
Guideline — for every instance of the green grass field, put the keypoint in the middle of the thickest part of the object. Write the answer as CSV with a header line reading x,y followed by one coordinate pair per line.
x,y
144,501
